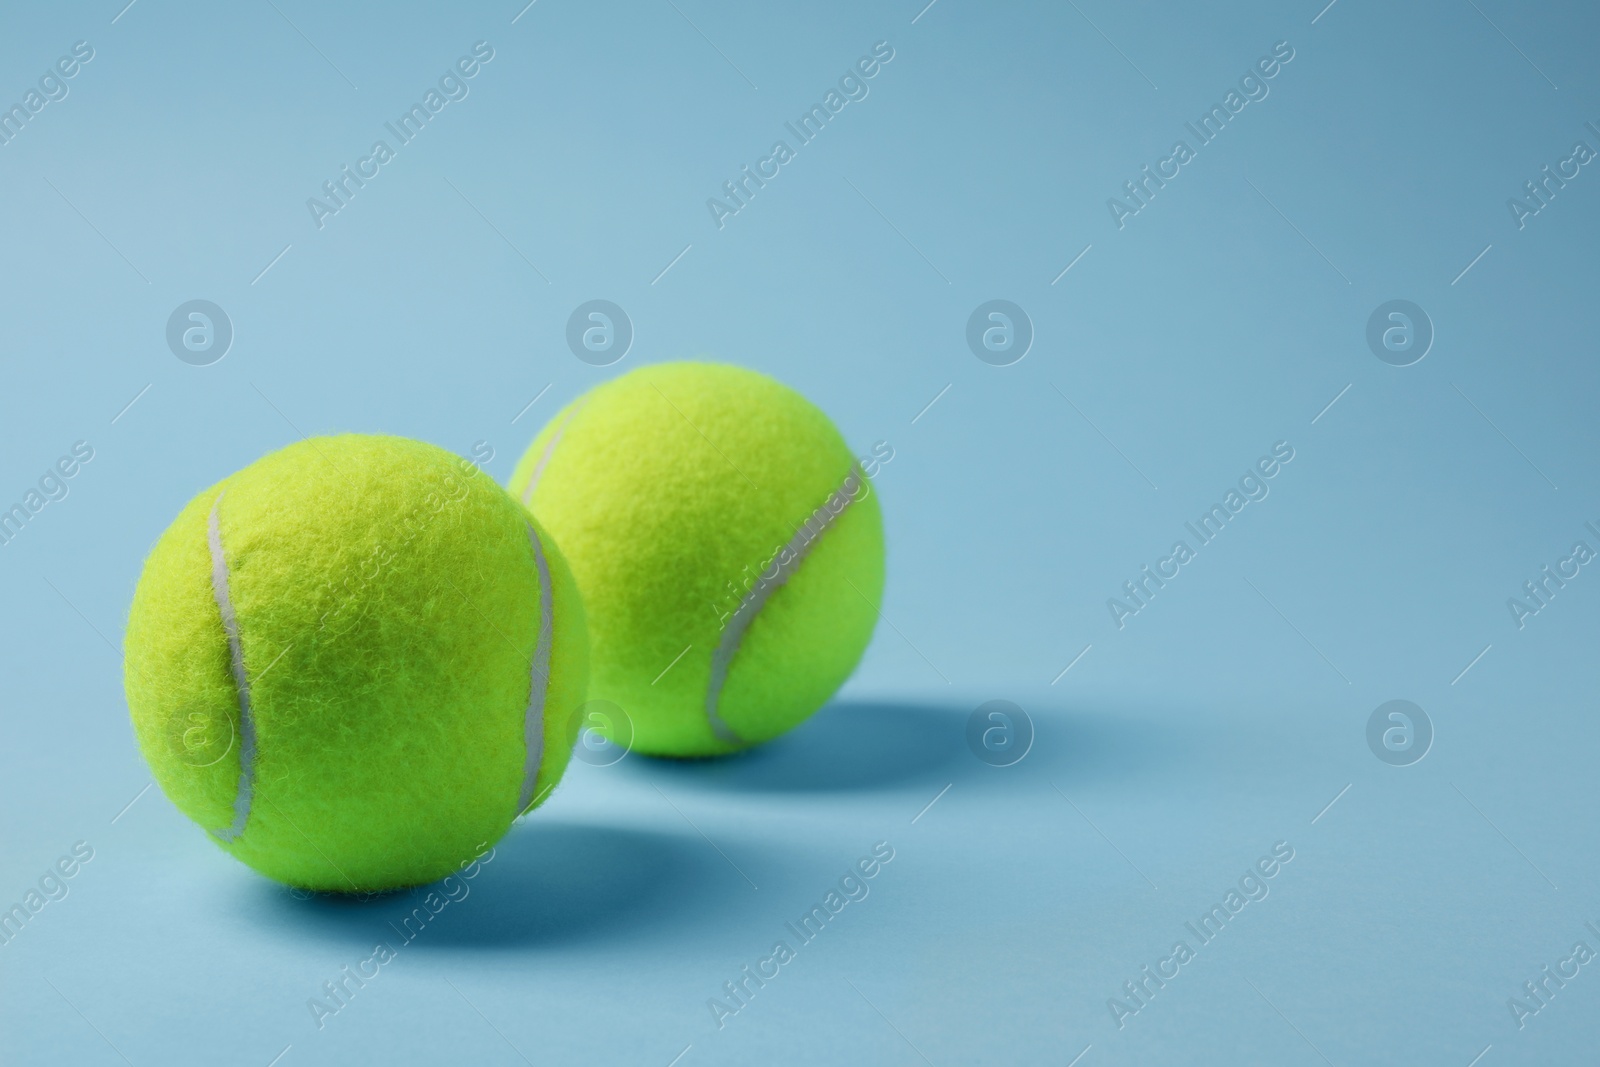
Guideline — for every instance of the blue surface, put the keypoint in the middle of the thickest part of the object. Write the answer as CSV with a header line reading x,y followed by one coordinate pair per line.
x,y
1222,719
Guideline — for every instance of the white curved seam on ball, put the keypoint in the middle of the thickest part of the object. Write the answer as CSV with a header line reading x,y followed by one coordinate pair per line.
x,y
539,677
799,546
549,448
241,680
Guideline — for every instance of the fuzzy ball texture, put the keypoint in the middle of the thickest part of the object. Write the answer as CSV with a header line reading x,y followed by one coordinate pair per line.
x,y
728,547
333,663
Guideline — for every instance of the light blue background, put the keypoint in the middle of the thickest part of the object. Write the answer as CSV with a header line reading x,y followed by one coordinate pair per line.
x,y
1223,318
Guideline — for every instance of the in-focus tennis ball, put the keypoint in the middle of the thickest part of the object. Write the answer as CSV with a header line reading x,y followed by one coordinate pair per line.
x,y
355,662
728,545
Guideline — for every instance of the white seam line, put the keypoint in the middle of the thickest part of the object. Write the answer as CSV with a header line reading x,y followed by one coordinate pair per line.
x,y
241,680
539,678
789,559
549,449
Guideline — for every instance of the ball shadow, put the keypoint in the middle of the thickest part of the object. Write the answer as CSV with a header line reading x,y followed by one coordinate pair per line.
x,y
565,882
544,884
846,746
856,746
1100,746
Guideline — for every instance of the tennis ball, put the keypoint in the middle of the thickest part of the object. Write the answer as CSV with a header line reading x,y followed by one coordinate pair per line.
x,y
355,662
728,545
